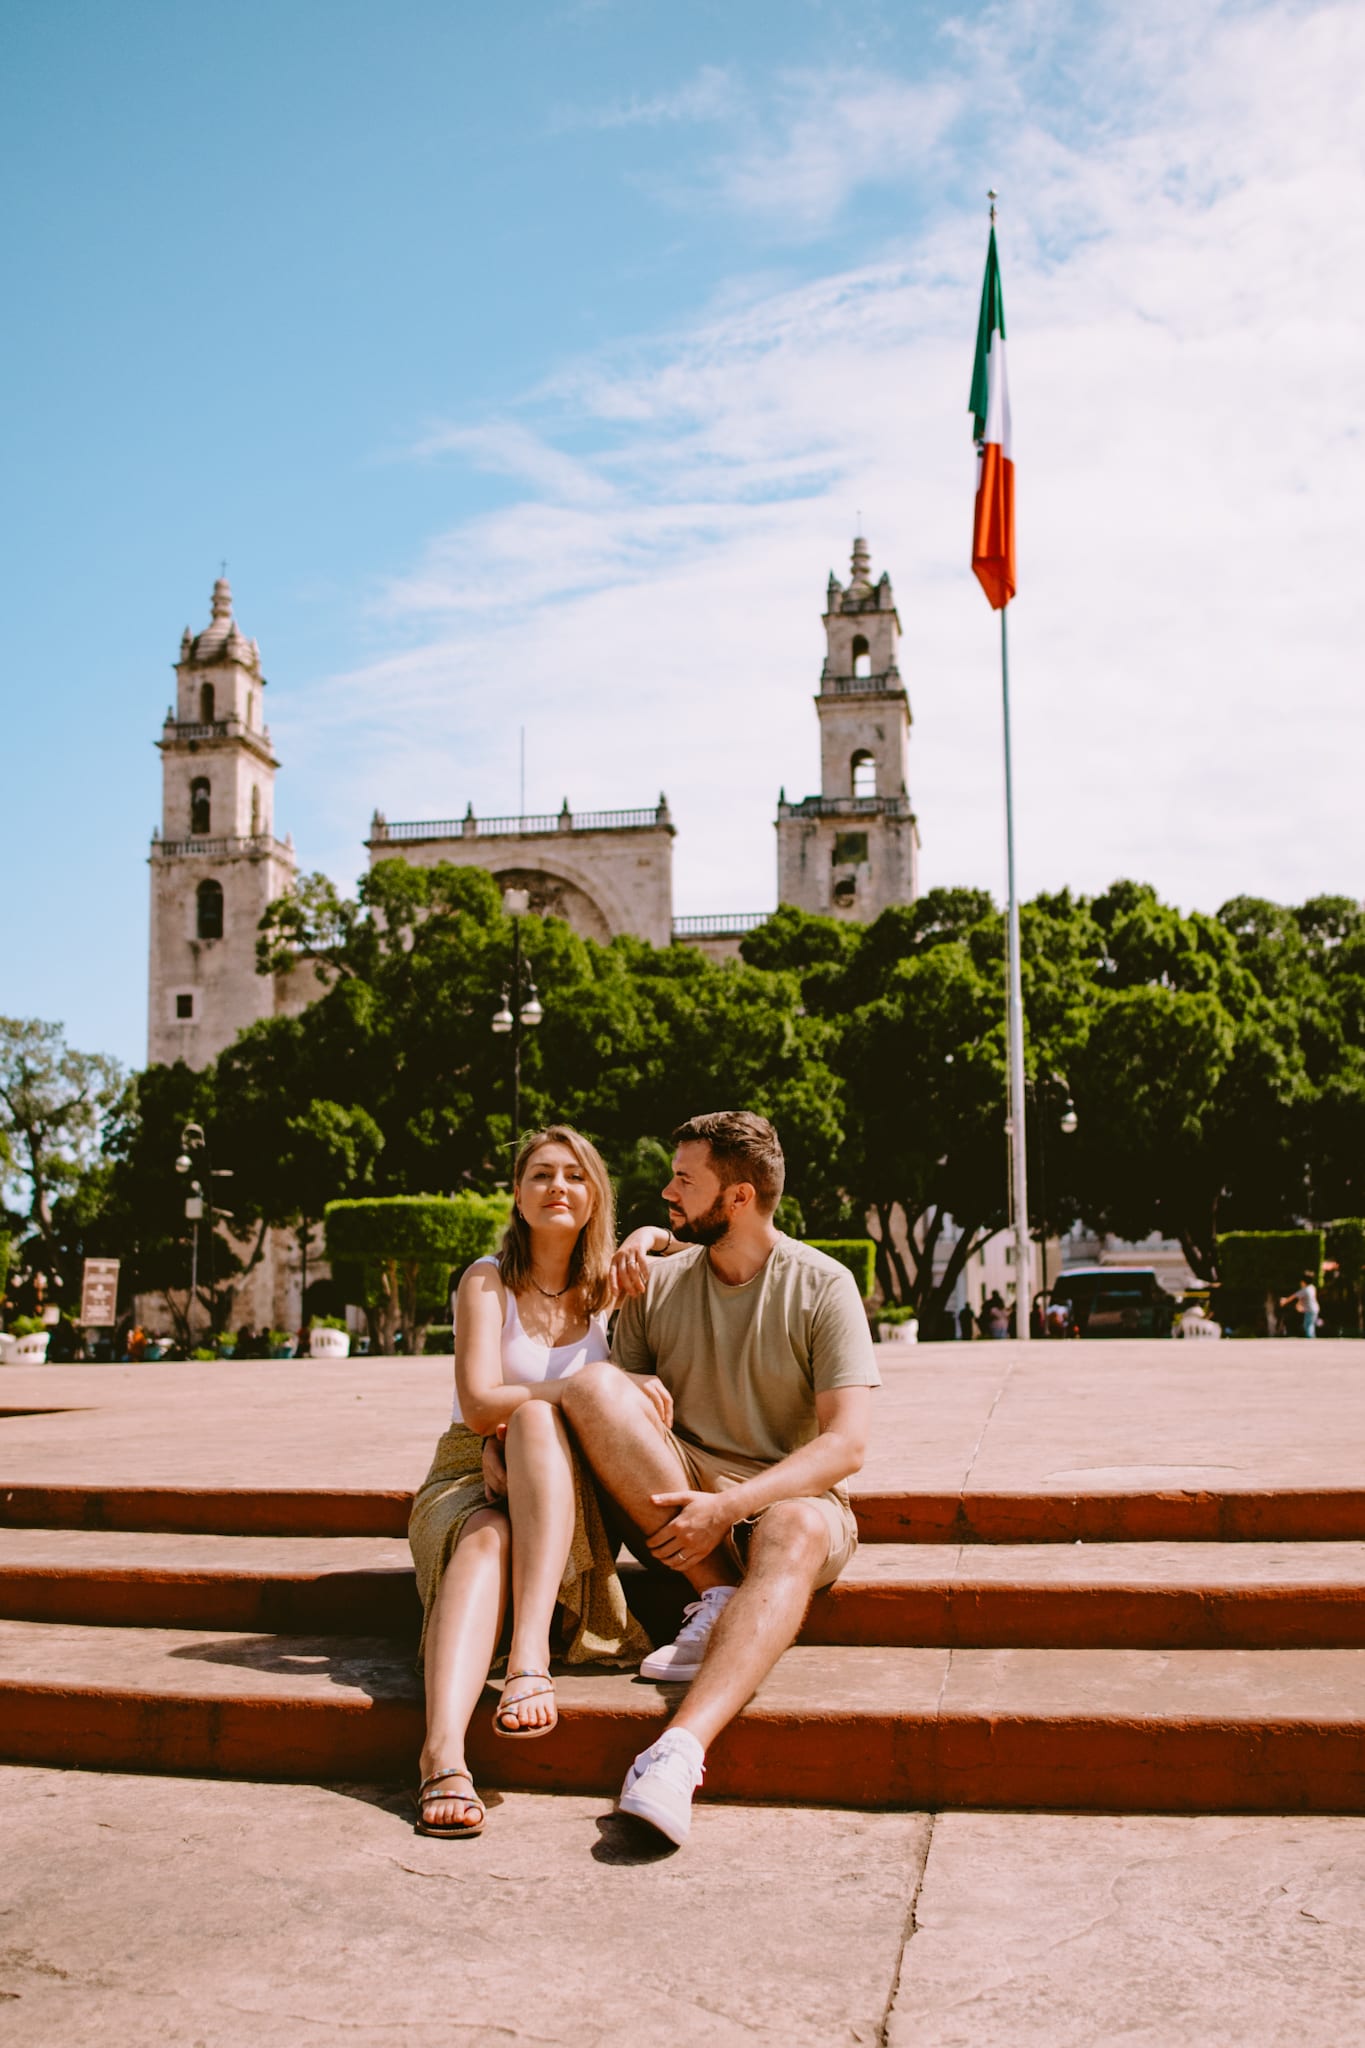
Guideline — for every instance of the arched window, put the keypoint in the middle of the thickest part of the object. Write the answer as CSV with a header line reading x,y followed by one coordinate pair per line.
x,y
209,903
864,774
200,809
862,659
206,713
255,808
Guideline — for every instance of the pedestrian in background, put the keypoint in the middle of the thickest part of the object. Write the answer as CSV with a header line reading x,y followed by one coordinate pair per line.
x,y
1305,1300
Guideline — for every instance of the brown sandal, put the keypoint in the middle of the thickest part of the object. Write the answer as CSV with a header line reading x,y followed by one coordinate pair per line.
x,y
506,1707
448,1830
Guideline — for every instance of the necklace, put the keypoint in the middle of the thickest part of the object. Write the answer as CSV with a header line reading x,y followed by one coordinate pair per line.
x,y
550,1293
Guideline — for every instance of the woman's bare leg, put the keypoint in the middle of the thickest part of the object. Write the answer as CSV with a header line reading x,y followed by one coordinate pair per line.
x,y
541,1499
462,1636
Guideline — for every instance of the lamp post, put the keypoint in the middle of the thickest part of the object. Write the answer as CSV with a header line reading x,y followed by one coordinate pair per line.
x,y
1067,1123
520,1008
193,1143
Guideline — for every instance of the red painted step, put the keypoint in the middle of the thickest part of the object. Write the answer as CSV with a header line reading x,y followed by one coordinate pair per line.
x,y
1077,1730
1125,1596
1332,1514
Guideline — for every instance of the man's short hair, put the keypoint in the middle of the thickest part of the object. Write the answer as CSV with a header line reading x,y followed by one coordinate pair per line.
x,y
743,1147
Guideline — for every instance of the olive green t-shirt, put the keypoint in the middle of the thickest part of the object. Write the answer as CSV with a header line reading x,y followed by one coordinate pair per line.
x,y
744,1364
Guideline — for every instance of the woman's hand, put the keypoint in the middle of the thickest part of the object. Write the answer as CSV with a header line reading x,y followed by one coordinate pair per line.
x,y
494,1469
655,1391
629,1272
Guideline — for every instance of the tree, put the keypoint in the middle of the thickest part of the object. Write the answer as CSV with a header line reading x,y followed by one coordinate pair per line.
x,y
54,1105
914,1005
401,1251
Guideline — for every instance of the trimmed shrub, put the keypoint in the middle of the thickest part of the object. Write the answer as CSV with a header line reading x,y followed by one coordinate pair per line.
x,y
397,1254
1346,1287
857,1253
1260,1267
440,1340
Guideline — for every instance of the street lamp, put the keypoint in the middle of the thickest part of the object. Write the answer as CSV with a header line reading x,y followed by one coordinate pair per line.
x,y
520,1008
193,1143
1067,1123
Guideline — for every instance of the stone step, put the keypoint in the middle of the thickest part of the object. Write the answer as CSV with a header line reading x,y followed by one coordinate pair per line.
x,y
1153,1511
1097,1596
1122,1731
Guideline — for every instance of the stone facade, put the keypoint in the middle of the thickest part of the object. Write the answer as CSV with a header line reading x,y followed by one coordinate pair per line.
x,y
854,849
603,872
215,862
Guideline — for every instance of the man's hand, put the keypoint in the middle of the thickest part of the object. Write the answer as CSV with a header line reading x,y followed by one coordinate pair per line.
x,y
655,1391
702,1522
629,1267
494,1470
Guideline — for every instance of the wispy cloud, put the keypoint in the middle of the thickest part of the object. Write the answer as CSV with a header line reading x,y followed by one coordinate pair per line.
x,y
1183,287
511,448
712,95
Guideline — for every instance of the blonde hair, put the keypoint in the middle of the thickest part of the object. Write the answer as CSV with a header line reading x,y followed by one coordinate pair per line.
x,y
590,1260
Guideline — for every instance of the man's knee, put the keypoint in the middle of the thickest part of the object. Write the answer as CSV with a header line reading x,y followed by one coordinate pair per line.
x,y
600,1388
793,1532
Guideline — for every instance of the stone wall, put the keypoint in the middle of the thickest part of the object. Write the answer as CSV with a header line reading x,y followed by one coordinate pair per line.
x,y
603,878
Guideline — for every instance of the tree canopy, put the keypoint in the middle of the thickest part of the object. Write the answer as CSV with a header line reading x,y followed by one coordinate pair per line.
x,y
1216,1064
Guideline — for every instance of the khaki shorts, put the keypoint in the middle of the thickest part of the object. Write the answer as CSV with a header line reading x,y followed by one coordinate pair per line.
x,y
710,1472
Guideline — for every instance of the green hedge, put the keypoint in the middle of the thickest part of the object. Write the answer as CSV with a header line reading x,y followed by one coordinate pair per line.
x,y
1269,1261
395,1255
432,1229
1346,1287
859,1254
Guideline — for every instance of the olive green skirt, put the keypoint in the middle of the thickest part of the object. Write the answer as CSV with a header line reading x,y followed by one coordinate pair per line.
x,y
595,1625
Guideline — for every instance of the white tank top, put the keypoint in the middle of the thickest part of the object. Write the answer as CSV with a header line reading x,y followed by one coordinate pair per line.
x,y
525,1360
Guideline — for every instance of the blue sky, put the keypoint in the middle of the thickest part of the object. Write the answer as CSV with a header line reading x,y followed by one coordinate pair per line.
x,y
532,365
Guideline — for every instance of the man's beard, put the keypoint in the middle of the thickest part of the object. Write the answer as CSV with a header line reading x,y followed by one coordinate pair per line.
x,y
709,1228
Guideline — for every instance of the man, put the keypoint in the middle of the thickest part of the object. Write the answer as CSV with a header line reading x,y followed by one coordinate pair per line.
x,y
737,1404
1305,1300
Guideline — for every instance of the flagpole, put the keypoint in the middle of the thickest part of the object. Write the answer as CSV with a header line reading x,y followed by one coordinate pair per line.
x,y
1023,1249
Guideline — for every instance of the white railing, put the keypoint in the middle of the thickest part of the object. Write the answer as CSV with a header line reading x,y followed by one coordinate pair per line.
x,y
253,843
470,827
723,923
220,729
862,686
848,807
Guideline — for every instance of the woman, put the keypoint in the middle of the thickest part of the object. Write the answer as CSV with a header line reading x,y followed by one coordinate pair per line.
x,y
523,1518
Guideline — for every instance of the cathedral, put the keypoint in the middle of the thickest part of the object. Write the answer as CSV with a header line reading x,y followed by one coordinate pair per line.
x,y
216,863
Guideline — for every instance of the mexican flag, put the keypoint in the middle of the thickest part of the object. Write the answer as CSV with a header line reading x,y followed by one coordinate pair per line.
x,y
989,405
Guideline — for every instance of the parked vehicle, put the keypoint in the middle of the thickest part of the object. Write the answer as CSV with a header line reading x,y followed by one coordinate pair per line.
x,y
1116,1301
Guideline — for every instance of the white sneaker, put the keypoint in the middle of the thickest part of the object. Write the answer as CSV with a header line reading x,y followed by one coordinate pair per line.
x,y
682,1657
660,1783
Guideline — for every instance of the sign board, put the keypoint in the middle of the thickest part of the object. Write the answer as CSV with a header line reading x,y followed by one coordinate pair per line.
x,y
99,1294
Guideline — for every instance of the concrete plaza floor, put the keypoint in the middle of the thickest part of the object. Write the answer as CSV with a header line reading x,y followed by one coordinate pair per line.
x,y
204,1914
181,1910
1022,1418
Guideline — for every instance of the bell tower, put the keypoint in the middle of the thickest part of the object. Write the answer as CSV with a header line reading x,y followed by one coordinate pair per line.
x,y
215,861
854,849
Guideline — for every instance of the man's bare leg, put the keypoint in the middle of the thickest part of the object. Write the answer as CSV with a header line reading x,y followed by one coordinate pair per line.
x,y
762,1619
759,1622
620,1434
